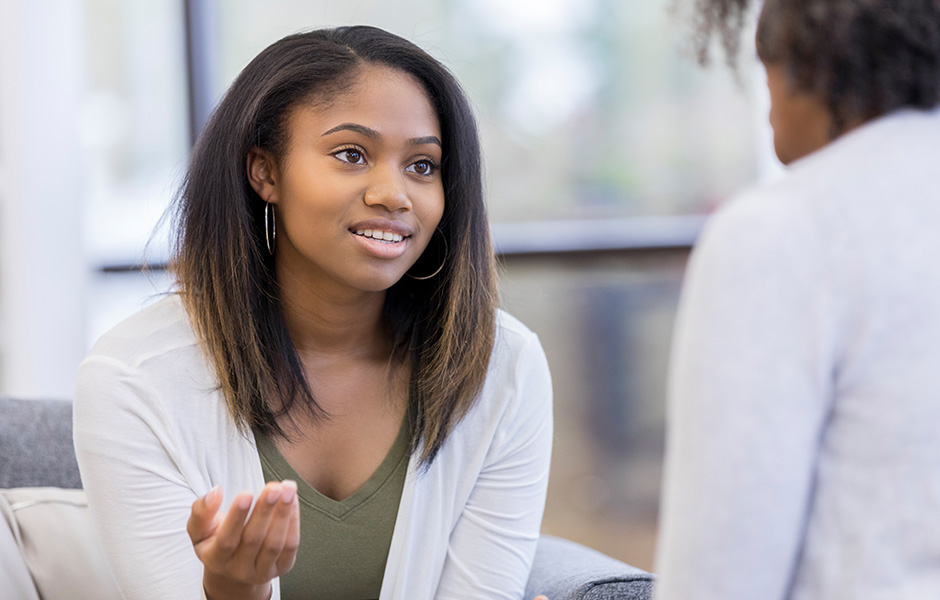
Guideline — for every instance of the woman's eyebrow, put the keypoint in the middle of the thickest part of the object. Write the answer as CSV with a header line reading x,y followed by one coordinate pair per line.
x,y
362,129
428,139
373,134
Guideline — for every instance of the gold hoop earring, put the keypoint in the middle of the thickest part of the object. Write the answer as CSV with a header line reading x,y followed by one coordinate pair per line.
x,y
440,268
270,230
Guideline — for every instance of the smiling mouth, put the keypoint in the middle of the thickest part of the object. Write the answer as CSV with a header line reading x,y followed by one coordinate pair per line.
x,y
379,235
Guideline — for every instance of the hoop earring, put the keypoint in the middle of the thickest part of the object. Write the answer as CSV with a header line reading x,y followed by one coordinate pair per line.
x,y
440,268
270,231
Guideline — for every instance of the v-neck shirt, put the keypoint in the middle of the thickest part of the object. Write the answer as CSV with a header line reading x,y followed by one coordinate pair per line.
x,y
344,544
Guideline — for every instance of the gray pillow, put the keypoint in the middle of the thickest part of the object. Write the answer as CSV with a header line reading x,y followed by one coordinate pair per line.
x,y
36,444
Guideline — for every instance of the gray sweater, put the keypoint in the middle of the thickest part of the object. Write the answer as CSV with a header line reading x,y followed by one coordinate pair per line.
x,y
803,452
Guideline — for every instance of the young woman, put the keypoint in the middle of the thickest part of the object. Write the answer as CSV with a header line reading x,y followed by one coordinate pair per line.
x,y
334,348
803,459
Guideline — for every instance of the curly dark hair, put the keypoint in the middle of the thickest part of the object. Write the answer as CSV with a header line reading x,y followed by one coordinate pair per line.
x,y
865,58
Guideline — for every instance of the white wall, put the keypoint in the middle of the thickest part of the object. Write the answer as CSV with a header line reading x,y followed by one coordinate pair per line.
x,y
42,269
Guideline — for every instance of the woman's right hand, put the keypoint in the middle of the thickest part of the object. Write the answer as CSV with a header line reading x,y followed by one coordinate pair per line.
x,y
241,554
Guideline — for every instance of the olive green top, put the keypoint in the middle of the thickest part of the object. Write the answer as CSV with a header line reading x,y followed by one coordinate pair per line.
x,y
343,545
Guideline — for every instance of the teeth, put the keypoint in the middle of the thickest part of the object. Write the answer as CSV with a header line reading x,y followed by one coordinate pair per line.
x,y
378,234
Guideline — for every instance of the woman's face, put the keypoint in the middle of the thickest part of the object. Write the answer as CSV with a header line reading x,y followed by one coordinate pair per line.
x,y
358,193
801,121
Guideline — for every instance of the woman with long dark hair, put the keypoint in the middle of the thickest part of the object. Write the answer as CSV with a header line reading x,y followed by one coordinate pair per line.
x,y
334,347
803,459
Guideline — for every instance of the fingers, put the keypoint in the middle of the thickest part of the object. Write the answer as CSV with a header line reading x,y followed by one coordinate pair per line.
x,y
248,545
541,598
202,518
228,535
263,535
255,532
273,547
285,561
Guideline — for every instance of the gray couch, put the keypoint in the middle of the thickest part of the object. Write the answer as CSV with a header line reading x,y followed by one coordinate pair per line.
x,y
49,552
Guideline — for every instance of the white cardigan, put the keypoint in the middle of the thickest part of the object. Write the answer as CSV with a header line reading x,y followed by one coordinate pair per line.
x,y
153,434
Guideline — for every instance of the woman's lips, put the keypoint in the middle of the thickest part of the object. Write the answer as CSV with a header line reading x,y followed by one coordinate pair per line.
x,y
378,234
382,238
383,225
382,248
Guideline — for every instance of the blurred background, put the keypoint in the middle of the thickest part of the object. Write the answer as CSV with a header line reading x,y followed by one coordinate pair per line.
x,y
605,148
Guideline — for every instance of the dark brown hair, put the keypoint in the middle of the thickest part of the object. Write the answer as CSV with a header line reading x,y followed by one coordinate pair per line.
x,y
864,58
443,327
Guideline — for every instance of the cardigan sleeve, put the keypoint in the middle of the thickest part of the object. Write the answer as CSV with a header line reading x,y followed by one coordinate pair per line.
x,y
138,497
749,392
492,546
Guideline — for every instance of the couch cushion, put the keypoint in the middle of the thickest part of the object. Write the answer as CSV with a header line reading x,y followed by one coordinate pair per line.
x,y
36,444
565,570
14,574
53,530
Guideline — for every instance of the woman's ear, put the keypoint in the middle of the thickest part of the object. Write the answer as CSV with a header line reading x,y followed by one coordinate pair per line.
x,y
262,174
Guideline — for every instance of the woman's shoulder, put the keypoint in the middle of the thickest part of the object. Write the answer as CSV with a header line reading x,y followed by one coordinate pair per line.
x,y
510,325
513,338
518,360
151,359
153,331
516,396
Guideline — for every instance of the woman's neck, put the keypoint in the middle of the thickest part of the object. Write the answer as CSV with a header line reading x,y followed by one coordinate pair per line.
x,y
334,321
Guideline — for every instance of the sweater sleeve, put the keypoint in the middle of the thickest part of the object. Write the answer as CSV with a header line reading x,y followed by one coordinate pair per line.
x,y
748,397
139,499
492,545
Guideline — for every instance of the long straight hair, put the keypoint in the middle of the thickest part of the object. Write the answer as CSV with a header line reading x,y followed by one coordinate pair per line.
x,y
442,327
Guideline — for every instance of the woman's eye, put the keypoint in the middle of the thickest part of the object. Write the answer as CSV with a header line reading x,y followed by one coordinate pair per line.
x,y
422,167
350,155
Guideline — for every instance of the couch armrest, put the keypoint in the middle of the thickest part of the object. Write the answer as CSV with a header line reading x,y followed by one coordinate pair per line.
x,y
565,570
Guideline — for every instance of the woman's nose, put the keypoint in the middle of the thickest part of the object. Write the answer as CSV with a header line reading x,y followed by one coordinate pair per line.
x,y
387,189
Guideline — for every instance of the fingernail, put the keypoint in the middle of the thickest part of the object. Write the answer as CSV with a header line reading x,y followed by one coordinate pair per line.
x,y
288,489
244,501
273,493
210,497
